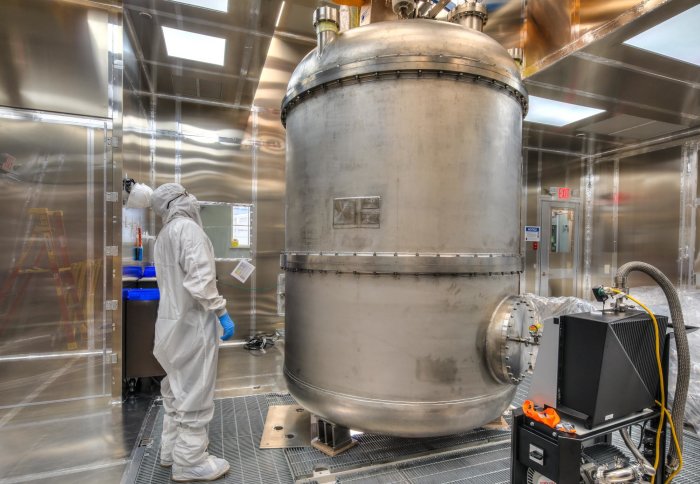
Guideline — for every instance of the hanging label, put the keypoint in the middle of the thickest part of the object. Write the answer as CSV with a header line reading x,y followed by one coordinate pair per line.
x,y
532,233
243,270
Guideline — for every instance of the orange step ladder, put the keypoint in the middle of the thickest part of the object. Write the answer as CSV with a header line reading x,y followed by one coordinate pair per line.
x,y
48,231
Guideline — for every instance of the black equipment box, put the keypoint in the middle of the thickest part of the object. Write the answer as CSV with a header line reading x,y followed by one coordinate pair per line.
x,y
140,314
607,365
559,456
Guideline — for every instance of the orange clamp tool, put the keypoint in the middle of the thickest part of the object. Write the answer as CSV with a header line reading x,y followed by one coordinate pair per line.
x,y
547,416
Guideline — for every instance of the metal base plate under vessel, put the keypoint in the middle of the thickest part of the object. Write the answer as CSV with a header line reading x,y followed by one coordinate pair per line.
x,y
403,228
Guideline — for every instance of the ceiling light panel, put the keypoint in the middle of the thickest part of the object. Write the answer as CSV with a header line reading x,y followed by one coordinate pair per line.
x,y
219,5
196,47
557,113
677,37
279,15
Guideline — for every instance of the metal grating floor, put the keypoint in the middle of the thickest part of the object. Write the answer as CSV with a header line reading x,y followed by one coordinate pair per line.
x,y
234,434
380,449
236,430
487,466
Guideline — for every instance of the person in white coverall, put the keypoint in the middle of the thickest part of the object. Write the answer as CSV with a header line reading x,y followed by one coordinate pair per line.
x,y
186,343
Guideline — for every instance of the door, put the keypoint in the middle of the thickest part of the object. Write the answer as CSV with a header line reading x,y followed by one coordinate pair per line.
x,y
559,249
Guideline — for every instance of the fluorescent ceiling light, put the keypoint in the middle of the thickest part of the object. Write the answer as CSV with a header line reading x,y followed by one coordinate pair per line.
x,y
557,113
220,5
196,47
279,15
677,37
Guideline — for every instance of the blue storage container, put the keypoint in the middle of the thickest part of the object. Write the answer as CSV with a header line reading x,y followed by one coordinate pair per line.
x,y
132,271
149,271
142,294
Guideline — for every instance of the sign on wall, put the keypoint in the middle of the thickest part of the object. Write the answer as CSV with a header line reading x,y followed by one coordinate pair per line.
x,y
532,233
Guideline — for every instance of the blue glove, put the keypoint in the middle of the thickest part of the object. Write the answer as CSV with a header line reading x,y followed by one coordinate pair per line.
x,y
228,325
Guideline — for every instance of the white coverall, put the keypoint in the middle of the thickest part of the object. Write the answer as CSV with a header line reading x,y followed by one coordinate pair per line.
x,y
186,340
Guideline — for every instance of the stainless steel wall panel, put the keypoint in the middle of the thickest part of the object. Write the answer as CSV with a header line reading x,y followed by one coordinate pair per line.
x,y
598,85
533,159
591,14
220,171
136,164
561,171
556,29
237,295
548,28
649,217
132,67
165,159
270,159
62,169
216,171
247,26
604,236
213,121
136,128
62,65
166,117
136,138
54,57
506,23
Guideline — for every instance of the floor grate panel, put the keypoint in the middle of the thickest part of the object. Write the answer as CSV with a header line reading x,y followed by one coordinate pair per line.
x,y
468,465
234,434
378,449
237,426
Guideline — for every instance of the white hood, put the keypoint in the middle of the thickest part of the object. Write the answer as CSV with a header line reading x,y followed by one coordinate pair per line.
x,y
171,200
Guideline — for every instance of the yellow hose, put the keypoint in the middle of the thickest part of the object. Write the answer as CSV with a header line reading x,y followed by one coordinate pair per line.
x,y
675,443
662,404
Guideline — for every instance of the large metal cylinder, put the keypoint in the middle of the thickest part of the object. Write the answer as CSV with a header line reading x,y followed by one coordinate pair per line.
x,y
403,228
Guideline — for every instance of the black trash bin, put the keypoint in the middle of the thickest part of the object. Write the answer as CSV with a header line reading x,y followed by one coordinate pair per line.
x,y
140,313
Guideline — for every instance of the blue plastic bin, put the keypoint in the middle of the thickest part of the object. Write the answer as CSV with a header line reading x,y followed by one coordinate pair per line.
x,y
132,271
142,294
149,271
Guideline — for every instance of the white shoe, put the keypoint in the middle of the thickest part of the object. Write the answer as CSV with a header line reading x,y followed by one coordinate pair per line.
x,y
209,470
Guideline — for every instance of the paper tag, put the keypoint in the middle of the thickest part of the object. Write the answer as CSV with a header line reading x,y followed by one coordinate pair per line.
x,y
243,270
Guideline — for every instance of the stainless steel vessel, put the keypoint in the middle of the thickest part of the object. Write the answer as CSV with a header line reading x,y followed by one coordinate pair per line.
x,y
403,229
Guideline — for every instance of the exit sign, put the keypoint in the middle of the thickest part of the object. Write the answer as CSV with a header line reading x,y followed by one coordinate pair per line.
x,y
561,193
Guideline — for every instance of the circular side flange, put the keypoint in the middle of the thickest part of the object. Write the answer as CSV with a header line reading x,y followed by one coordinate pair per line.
x,y
509,344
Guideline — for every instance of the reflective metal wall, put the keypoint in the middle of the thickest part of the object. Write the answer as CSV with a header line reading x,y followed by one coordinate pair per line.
x,y
648,200
270,144
637,204
53,57
544,170
60,144
222,153
53,240
56,169
553,29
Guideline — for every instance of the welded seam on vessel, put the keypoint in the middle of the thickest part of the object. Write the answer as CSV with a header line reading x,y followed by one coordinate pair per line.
x,y
291,102
403,263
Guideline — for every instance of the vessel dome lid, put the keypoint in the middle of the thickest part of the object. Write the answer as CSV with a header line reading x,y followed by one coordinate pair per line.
x,y
406,46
